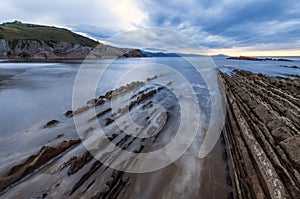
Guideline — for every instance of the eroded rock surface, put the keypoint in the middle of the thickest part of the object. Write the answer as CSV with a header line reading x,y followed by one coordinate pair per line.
x,y
43,50
34,162
262,133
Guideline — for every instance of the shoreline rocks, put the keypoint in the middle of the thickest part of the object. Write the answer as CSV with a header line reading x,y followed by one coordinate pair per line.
x,y
51,123
258,59
262,134
34,162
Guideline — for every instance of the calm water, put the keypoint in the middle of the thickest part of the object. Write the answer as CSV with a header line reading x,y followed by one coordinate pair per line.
x,y
37,92
271,68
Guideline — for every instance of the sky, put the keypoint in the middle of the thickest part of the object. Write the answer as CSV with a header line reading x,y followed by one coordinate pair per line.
x,y
231,27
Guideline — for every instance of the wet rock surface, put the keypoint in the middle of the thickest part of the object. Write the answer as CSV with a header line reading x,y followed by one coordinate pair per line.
x,y
66,169
257,59
262,135
51,123
34,162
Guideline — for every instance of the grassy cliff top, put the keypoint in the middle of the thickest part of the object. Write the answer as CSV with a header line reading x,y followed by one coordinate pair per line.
x,y
22,31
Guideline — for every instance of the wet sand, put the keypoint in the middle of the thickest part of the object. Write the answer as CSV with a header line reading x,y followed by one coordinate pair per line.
x,y
216,178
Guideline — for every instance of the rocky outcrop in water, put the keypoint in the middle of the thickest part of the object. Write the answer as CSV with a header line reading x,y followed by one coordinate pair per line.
x,y
51,123
262,132
258,59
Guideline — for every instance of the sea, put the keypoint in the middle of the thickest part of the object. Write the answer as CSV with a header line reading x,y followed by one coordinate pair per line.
x,y
32,92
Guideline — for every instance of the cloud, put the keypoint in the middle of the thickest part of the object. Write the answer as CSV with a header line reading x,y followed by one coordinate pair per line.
x,y
111,16
215,24
229,23
158,39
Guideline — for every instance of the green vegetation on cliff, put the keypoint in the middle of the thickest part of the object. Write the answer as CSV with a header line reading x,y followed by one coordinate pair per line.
x,y
22,31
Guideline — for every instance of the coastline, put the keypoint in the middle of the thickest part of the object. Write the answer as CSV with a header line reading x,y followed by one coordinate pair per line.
x,y
68,162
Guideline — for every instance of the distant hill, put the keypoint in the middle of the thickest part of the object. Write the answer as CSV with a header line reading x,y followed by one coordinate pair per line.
x,y
22,31
219,55
160,54
163,54
29,41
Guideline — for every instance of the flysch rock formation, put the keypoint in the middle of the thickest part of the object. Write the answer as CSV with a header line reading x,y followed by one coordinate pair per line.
x,y
262,133
36,49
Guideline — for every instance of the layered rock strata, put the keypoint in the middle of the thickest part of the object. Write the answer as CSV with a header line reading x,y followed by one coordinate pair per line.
x,y
262,132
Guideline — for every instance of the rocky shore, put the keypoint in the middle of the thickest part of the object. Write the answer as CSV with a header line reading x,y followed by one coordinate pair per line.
x,y
260,137
262,133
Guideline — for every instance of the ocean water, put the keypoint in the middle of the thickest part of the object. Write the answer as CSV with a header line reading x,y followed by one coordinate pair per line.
x,y
36,92
270,68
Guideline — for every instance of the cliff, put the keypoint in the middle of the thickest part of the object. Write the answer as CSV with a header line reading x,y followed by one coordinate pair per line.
x,y
35,49
29,41
107,51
